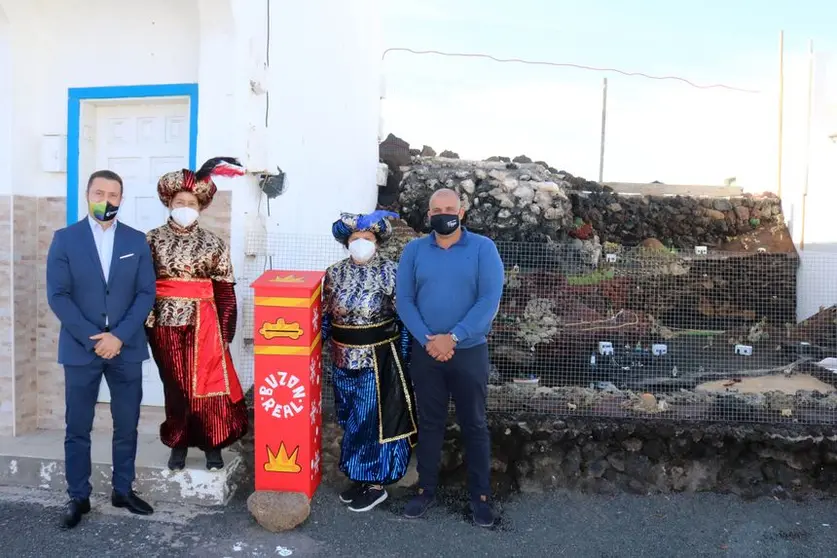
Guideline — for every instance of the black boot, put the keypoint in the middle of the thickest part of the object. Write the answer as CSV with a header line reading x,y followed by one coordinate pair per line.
x,y
131,502
72,512
214,461
177,460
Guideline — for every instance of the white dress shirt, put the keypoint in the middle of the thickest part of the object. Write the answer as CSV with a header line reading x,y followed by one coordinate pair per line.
x,y
104,243
104,246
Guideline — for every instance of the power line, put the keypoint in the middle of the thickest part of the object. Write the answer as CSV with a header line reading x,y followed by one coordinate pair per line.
x,y
568,65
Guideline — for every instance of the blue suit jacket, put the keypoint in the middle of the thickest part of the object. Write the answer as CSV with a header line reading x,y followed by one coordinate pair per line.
x,y
81,299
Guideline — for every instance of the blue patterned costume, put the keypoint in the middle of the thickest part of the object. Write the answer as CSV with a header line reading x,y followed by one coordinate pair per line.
x,y
369,350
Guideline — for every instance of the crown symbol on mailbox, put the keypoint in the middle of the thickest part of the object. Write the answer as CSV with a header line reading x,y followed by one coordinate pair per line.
x,y
287,279
281,462
281,328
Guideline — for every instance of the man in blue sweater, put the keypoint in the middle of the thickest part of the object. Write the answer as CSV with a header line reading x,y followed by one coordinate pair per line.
x,y
448,291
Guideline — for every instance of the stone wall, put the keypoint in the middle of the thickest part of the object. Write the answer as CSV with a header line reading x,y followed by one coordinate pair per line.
x,y
520,200
18,314
677,221
507,201
533,453
7,378
52,215
26,312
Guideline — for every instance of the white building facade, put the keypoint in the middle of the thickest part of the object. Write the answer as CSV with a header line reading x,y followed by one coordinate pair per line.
x,y
809,177
143,88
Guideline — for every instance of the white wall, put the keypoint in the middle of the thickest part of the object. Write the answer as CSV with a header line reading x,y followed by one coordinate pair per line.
x,y
323,80
324,83
6,112
58,45
818,256
822,161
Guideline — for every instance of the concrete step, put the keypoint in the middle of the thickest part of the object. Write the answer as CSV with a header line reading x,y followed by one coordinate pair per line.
x,y
37,461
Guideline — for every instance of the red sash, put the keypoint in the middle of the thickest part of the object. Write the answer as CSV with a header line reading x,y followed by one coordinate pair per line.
x,y
212,371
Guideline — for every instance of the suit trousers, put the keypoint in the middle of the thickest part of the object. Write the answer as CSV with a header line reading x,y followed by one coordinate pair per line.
x,y
81,393
465,377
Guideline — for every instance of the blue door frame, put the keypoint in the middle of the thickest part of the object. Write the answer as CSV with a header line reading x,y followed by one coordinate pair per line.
x,y
77,95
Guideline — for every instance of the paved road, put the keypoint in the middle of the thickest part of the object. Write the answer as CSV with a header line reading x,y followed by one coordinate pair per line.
x,y
560,524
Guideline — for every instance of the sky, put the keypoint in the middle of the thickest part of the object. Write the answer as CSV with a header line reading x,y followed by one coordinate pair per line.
x,y
656,130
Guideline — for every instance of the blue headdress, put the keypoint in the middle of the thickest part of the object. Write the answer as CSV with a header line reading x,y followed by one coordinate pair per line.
x,y
376,222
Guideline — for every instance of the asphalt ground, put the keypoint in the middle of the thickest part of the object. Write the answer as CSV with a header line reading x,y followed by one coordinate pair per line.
x,y
553,524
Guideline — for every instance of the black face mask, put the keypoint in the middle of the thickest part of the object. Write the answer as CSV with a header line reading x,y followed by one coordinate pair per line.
x,y
444,224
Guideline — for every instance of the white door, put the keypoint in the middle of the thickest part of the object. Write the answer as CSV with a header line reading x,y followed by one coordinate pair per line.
x,y
141,142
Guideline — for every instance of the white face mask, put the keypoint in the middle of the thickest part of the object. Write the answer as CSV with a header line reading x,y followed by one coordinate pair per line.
x,y
362,250
184,216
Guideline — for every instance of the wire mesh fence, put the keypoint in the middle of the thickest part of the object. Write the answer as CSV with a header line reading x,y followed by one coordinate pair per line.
x,y
264,251
653,332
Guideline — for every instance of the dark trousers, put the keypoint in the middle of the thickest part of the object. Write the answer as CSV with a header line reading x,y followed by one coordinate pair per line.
x,y
81,392
465,377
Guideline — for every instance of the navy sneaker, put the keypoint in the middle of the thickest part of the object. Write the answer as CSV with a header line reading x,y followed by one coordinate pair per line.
x,y
348,496
368,499
482,513
419,505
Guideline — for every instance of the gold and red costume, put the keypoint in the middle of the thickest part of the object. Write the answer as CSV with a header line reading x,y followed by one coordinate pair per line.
x,y
192,324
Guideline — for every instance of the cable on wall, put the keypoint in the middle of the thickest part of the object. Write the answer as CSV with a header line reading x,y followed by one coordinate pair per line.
x,y
267,65
269,259
267,92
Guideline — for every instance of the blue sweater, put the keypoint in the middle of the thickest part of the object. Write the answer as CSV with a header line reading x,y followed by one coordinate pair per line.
x,y
457,290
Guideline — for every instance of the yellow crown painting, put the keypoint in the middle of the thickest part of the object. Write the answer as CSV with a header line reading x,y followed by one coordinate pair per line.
x,y
281,462
287,279
281,328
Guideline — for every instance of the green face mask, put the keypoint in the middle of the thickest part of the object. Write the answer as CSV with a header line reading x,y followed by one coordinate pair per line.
x,y
103,211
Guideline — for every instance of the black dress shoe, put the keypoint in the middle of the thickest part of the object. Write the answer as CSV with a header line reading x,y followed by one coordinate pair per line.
x,y
214,461
177,460
73,510
131,502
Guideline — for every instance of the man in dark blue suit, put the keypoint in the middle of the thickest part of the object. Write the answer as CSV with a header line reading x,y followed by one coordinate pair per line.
x,y
101,286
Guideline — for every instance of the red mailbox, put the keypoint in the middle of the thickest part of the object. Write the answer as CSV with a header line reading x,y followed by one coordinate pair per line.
x,y
287,386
